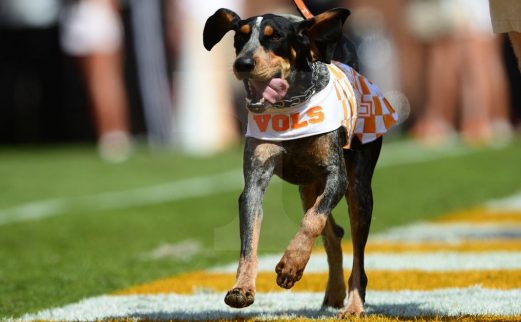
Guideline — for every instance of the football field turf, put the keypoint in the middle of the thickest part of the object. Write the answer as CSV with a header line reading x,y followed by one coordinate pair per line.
x,y
73,228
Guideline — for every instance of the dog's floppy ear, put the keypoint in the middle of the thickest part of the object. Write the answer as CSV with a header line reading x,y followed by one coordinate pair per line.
x,y
324,31
222,21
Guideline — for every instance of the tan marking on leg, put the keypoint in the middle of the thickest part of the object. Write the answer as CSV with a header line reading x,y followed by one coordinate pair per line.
x,y
355,306
336,286
247,270
243,292
246,273
291,266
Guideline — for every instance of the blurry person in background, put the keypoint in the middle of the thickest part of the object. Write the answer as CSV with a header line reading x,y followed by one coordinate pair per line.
x,y
374,27
147,31
464,69
506,18
92,32
30,65
205,120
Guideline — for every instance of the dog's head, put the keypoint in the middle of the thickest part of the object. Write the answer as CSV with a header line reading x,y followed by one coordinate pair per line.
x,y
272,50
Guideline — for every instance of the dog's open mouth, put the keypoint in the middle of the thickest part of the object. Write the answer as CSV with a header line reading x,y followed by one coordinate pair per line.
x,y
262,93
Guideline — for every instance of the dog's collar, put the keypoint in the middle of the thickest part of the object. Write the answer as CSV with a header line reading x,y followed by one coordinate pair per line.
x,y
317,84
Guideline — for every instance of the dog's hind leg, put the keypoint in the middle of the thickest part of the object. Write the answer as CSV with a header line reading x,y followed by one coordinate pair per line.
x,y
331,237
336,286
258,169
361,161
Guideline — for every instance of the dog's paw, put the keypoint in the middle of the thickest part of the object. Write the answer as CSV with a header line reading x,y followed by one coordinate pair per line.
x,y
239,298
347,314
289,271
355,307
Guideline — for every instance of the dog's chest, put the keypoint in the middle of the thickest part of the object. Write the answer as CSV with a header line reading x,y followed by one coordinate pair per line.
x,y
306,161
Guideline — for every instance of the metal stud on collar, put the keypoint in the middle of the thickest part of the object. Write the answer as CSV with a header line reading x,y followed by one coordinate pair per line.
x,y
299,99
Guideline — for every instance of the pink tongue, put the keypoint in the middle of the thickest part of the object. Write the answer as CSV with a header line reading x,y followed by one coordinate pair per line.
x,y
272,91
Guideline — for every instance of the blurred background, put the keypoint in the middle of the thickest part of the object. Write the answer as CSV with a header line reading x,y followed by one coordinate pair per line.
x,y
120,156
125,72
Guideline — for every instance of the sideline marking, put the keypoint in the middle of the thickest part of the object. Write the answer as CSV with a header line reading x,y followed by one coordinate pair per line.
x,y
453,233
415,292
512,203
183,251
438,261
474,246
380,280
393,154
174,191
446,302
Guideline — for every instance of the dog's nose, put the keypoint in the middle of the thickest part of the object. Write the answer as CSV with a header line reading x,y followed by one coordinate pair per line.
x,y
244,64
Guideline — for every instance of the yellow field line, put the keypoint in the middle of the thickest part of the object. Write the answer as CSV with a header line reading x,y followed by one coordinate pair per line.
x,y
369,318
315,282
479,216
376,318
379,319
372,318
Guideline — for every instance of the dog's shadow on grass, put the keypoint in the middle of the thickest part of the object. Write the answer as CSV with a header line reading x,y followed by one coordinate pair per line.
x,y
389,310
222,315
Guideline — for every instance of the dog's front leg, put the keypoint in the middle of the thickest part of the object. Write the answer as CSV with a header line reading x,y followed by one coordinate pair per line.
x,y
259,163
291,267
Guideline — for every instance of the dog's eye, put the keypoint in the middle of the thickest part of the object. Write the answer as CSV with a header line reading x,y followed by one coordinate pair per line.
x,y
276,37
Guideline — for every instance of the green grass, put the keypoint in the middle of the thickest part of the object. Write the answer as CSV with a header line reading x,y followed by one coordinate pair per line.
x,y
80,253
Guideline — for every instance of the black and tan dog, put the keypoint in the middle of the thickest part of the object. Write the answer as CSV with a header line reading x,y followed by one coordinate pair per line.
x,y
282,62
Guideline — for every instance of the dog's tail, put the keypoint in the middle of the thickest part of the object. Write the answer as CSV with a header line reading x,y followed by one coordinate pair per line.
x,y
345,51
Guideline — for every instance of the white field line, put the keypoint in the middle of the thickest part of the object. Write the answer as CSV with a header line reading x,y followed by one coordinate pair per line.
x,y
210,306
169,192
394,154
182,251
430,262
445,302
512,203
451,233
409,152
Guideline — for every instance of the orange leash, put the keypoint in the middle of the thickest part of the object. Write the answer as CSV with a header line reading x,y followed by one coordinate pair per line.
x,y
301,6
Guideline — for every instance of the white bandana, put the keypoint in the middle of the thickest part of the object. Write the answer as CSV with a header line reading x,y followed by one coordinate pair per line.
x,y
348,100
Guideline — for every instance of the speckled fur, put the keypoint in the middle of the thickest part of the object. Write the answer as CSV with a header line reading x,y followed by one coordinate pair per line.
x,y
319,165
